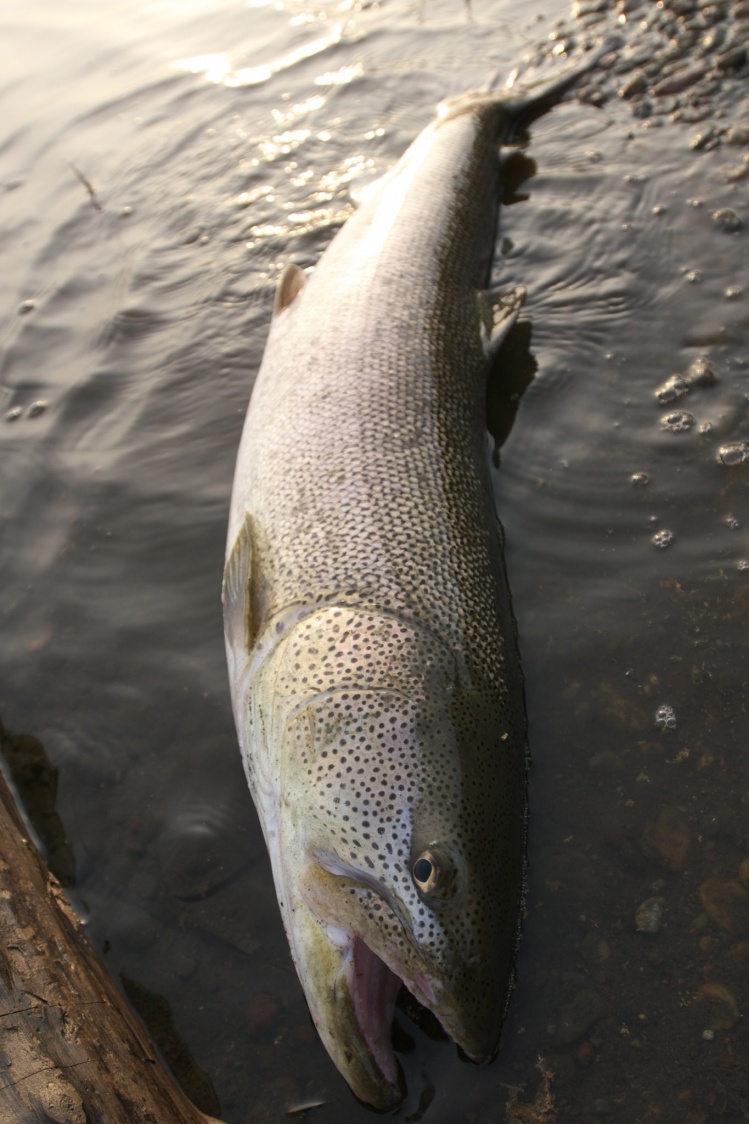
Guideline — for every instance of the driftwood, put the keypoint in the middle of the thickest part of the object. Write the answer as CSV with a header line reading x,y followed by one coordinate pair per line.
x,y
71,1050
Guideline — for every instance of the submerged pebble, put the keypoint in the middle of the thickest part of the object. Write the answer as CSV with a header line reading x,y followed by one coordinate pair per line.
x,y
667,838
716,1007
649,915
726,902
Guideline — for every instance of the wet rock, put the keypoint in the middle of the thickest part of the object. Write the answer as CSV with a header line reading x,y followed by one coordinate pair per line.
x,y
701,374
672,389
636,84
716,1007
682,79
649,915
577,1017
726,902
666,839
738,133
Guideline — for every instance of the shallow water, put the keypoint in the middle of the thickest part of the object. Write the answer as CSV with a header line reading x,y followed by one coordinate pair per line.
x,y
159,164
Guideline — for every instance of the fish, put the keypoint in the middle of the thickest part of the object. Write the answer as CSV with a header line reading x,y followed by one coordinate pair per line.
x,y
372,650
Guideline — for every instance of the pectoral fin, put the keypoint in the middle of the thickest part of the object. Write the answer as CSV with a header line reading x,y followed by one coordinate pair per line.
x,y
290,286
499,311
236,592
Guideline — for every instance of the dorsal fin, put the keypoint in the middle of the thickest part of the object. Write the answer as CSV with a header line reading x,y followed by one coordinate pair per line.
x,y
236,592
290,286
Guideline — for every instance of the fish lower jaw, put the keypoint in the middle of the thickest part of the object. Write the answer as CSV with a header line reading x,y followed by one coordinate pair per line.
x,y
374,989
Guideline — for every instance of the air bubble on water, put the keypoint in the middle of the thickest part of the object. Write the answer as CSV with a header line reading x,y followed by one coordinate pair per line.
x,y
665,717
639,479
678,422
735,453
662,539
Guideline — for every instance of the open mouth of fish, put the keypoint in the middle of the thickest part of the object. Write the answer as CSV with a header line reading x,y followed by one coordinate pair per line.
x,y
374,988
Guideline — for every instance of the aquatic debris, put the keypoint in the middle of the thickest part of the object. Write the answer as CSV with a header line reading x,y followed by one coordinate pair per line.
x,y
649,915
665,717
678,422
663,539
737,452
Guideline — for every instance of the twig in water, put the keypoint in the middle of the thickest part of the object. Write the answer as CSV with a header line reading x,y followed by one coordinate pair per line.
x,y
88,186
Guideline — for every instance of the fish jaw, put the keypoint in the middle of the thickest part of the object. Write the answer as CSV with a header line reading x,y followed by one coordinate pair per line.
x,y
351,995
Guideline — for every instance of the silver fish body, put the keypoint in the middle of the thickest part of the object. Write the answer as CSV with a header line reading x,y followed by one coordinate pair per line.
x,y
375,677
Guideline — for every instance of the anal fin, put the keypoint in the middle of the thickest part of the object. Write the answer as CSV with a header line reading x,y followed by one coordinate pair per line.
x,y
499,311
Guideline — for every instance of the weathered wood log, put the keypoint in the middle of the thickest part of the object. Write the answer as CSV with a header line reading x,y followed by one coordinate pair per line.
x,y
71,1050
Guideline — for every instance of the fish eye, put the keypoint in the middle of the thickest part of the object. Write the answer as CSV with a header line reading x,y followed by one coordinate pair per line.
x,y
436,875
424,872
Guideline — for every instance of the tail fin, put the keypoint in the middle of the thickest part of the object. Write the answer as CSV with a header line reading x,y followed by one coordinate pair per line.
x,y
535,99
532,100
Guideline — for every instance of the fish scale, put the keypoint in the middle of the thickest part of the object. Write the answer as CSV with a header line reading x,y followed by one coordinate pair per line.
x,y
375,677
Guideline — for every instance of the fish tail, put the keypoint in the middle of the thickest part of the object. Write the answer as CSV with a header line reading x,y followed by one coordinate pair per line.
x,y
536,98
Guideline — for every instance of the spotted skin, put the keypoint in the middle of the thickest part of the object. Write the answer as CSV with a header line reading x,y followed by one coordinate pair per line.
x,y
373,660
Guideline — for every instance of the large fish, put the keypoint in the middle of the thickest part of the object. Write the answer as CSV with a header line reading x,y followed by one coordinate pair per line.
x,y
374,671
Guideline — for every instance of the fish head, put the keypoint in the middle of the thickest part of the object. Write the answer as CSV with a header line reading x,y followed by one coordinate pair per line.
x,y
400,857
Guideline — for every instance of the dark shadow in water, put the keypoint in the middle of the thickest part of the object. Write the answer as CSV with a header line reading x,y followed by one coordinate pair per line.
x,y
517,168
156,1013
511,373
36,781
